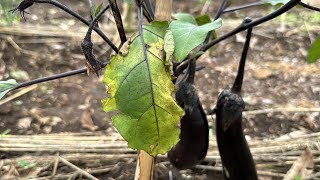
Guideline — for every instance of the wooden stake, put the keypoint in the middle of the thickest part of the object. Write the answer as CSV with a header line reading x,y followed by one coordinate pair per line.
x,y
163,10
144,169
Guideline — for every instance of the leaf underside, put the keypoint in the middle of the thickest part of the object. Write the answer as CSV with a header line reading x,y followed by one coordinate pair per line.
x,y
140,87
6,86
188,36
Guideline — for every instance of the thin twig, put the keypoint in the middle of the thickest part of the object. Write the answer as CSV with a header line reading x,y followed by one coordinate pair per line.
x,y
245,6
17,47
217,16
205,7
54,77
55,166
147,13
309,7
118,20
77,16
77,168
220,10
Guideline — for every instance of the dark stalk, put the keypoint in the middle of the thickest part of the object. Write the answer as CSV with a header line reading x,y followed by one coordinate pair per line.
x,y
245,6
149,7
218,14
118,19
191,72
54,77
147,13
220,10
236,88
87,45
80,18
309,7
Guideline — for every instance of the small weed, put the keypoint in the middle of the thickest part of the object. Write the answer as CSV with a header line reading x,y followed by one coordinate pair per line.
x,y
8,18
25,164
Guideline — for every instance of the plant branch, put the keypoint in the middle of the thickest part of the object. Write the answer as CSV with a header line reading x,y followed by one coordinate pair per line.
x,y
240,28
245,6
147,12
218,14
85,173
309,7
237,85
53,77
118,19
220,10
93,64
148,6
80,18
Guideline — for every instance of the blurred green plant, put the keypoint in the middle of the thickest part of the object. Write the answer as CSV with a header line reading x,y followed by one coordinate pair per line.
x,y
314,53
301,17
6,18
26,164
94,11
5,133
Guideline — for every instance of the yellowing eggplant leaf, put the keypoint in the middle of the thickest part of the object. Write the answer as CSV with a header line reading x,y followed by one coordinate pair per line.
x,y
140,87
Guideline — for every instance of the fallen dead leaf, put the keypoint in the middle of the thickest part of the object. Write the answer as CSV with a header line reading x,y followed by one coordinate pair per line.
x,y
86,120
262,73
24,123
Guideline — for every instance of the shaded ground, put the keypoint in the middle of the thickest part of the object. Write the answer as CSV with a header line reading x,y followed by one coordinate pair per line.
x,y
277,75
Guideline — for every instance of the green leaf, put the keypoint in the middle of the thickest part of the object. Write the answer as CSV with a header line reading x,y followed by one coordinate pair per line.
x,y
184,17
203,19
275,2
298,177
98,9
155,30
26,164
187,36
93,11
5,133
140,88
314,51
6,86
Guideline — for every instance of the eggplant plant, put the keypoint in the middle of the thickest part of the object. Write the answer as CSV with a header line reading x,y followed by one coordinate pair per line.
x,y
140,76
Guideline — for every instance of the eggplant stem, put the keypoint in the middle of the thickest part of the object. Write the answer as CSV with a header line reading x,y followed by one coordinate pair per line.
x,y
237,85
